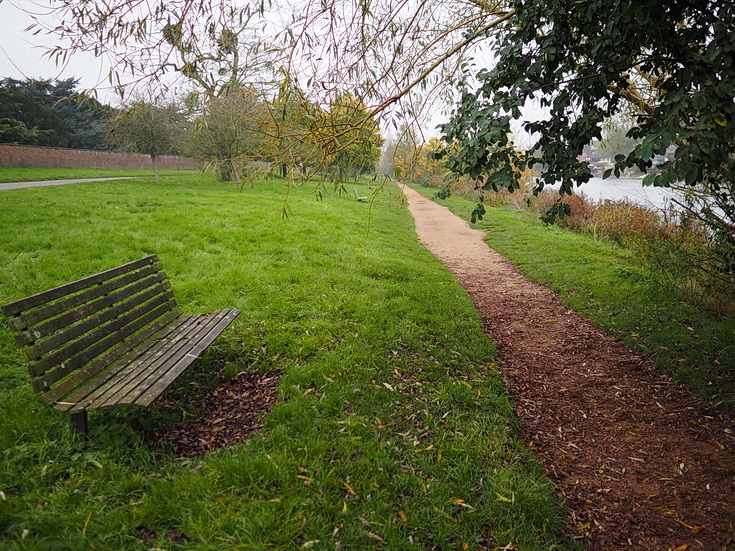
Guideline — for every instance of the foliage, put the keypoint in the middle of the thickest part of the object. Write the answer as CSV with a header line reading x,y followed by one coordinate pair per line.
x,y
352,137
391,429
24,120
148,128
413,162
232,131
207,43
671,60
82,115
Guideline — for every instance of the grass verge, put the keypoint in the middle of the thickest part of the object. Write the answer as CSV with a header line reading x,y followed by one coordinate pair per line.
x,y
392,429
607,284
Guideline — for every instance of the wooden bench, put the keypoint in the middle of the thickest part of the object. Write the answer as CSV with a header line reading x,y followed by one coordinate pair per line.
x,y
112,339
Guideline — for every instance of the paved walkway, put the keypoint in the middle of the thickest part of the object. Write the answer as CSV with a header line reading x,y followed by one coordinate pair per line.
x,y
39,183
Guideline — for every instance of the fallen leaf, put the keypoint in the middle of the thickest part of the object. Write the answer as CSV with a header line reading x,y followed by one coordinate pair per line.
x,y
310,544
374,536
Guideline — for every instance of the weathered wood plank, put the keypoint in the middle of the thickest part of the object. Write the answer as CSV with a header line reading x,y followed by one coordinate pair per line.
x,y
146,397
24,321
58,373
45,329
159,374
109,334
84,382
69,334
106,395
52,294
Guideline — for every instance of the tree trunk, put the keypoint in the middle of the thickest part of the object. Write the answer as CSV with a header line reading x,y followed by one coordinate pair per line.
x,y
155,168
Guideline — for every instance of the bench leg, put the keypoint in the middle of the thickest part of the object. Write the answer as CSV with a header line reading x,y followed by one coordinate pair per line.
x,y
78,422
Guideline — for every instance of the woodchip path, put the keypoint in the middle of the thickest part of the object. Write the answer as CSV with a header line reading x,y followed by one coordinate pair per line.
x,y
638,462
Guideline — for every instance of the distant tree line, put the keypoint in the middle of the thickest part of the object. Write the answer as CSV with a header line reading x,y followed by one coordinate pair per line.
x,y
50,113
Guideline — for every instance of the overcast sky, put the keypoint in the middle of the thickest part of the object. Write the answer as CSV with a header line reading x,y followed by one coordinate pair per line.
x,y
22,53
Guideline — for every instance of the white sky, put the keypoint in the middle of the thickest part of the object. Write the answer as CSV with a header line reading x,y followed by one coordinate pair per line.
x,y
22,57
22,53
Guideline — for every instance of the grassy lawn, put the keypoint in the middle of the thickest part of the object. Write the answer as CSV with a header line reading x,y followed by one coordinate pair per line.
x,y
606,284
392,429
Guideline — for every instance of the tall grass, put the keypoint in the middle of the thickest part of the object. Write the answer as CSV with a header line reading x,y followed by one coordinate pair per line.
x,y
392,427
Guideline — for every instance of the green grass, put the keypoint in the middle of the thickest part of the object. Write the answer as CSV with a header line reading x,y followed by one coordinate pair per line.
x,y
607,284
392,428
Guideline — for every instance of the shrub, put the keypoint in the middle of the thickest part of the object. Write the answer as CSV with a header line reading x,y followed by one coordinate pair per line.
x,y
622,221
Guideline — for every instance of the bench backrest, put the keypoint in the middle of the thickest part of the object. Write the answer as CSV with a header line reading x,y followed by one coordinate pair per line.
x,y
71,333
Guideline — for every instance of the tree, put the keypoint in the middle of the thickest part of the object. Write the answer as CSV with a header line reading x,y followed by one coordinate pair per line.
x,y
353,140
26,121
672,61
146,127
230,133
82,115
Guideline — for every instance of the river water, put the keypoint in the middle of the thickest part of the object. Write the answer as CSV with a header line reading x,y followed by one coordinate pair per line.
x,y
618,189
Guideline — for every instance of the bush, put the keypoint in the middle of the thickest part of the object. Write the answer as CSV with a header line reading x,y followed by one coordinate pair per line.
x,y
623,221
582,208
676,249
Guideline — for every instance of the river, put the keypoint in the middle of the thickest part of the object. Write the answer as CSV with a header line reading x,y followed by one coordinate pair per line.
x,y
618,189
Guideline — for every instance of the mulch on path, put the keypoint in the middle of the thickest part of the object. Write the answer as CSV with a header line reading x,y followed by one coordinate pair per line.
x,y
639,462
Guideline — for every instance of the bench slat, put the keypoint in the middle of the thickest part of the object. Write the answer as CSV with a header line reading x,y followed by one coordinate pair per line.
x,y
24,321
90,323
134,346
104,396
91,353
47,328
52,294
155,390
167,361
100,336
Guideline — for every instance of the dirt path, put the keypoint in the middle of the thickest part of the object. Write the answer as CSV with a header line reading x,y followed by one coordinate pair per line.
x,y
639,463
41,183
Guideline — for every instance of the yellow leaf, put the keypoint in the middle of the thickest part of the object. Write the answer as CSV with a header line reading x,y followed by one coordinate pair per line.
x,y
302,477
307,392
682,547
386,385
402,516
503,498
465,383
344,506
583,526
310,544
722,121
328,379
350,489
